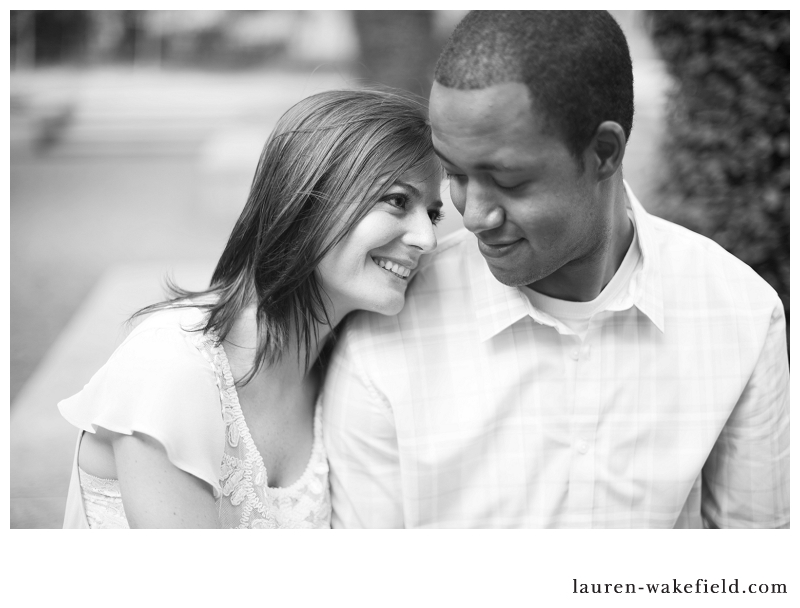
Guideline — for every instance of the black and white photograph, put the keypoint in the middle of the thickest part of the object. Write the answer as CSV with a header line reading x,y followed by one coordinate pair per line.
x,y
407,269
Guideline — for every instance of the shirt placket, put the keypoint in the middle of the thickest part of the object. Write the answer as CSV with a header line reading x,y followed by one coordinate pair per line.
x,y
583,363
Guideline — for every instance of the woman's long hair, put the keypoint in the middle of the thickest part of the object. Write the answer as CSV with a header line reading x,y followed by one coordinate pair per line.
x,y
326,163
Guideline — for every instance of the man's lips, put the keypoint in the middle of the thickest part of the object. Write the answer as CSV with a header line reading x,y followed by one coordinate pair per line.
x,y
497,249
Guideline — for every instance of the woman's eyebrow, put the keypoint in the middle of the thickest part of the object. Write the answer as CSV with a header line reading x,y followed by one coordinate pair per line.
x,y
407,186
415,191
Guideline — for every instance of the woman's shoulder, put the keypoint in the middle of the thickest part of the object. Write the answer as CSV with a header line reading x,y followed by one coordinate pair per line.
x,y
169,335
160,371
162,383
175,321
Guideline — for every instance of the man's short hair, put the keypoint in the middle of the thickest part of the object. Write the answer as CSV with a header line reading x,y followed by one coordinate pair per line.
x,y
576,65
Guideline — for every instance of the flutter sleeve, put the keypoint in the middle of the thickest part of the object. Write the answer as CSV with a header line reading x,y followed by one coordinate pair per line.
x,y
160,384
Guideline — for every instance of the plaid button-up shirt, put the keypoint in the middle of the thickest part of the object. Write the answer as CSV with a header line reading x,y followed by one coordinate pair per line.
x,y
471,408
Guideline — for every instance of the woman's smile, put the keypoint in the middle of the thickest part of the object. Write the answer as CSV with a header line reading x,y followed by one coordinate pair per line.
x,y
401,271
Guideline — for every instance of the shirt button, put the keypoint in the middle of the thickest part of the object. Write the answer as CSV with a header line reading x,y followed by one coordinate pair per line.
x,y
575,354
583,447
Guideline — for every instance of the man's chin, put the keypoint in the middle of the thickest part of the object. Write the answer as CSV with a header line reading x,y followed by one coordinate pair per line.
x,y
509,276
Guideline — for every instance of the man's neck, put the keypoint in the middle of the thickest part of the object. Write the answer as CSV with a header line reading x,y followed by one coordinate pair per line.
x,y
582,280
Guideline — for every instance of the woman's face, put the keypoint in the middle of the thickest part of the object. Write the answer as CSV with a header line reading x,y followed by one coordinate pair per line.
x,y
370,267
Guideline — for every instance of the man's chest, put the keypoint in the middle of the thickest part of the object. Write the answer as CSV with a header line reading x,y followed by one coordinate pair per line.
x,y
616,419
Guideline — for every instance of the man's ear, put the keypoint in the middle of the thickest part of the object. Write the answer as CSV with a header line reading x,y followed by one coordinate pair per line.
x,y
608,146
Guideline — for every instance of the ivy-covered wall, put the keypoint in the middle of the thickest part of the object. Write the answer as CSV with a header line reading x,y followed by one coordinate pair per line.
x,y
726,148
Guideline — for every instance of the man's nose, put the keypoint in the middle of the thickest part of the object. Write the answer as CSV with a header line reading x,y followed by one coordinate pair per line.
x,y
481,212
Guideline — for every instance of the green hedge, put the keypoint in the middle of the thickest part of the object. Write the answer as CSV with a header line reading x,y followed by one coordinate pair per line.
x,y
726,148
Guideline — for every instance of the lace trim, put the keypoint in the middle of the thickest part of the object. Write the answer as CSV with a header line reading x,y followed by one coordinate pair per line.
x,y
102,501
107,487
243,479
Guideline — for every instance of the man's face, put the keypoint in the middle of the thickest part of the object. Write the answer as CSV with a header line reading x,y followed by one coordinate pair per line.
x,y
535,211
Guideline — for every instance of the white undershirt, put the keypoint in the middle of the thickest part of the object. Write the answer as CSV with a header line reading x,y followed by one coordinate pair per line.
x,y
577,315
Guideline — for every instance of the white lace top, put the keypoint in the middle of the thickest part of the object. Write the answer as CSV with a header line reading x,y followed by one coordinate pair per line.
x,y
243,496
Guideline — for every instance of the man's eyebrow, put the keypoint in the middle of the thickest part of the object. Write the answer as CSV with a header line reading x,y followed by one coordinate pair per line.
x,y
483,166
443,157
498,168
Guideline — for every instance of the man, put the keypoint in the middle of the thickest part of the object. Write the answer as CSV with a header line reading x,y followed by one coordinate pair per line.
x,y
571,361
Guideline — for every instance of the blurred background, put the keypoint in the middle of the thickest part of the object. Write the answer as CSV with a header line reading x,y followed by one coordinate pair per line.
x,y
134,136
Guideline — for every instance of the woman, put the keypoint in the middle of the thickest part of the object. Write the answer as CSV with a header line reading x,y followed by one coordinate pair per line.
x,y
206,415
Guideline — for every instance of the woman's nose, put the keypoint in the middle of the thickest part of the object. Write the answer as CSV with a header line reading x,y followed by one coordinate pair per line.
x,y
420,232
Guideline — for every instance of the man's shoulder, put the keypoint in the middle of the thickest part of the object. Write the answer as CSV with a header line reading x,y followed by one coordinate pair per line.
x,y
439,294
685,253
444,279
448,246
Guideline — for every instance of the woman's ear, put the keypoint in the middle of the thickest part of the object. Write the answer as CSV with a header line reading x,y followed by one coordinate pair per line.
x,y
608,145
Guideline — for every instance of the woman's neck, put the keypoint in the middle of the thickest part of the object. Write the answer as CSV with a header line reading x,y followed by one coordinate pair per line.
x,y
241,346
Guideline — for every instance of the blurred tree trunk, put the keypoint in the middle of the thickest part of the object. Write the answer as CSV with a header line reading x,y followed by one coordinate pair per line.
x,y
398,48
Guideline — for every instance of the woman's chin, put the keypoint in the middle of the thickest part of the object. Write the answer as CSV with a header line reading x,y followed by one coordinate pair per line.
x,y
387,306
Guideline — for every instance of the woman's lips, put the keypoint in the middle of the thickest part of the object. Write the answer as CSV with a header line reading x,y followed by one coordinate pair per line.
x,y
401,271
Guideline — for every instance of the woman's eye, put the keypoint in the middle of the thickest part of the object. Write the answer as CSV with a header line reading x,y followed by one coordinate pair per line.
x,y
436,216
454,176
396,200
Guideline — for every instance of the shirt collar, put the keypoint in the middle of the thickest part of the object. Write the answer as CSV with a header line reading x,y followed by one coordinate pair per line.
x,y
499,306
646,285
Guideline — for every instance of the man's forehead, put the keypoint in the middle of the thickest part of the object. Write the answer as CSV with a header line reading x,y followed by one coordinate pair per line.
x,y
510,99
501,111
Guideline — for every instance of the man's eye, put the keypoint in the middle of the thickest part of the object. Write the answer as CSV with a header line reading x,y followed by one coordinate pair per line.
x,y
510,188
